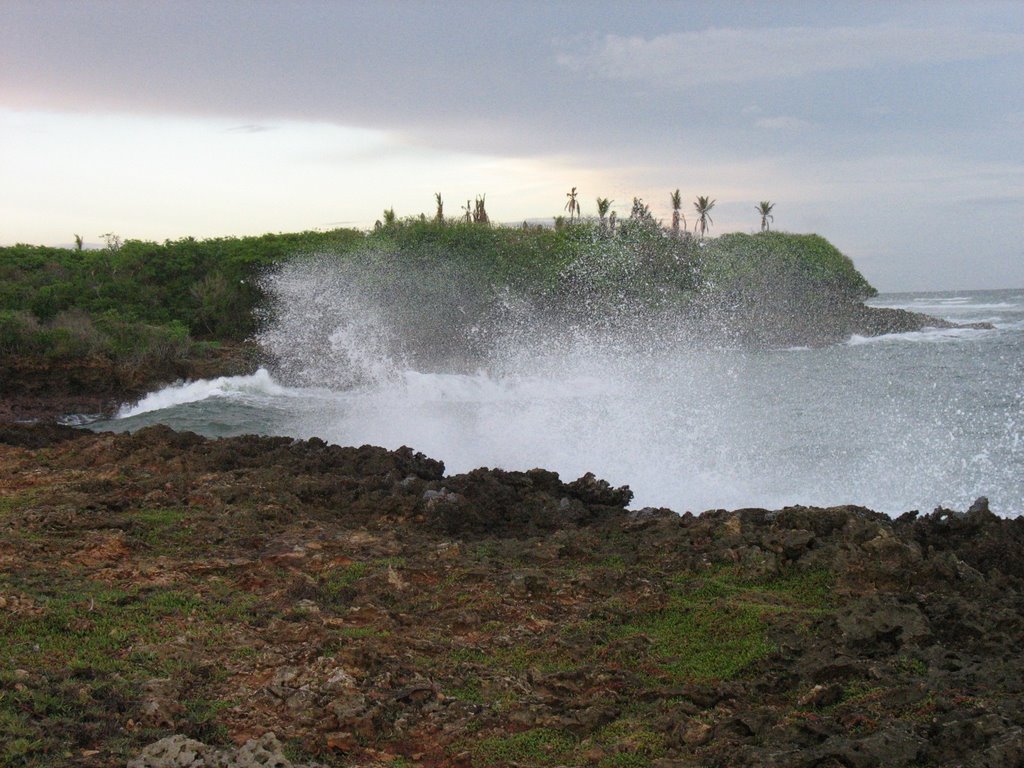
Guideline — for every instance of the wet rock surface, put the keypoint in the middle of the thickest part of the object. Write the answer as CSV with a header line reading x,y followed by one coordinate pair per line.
x,y
167,599
38,388
819,319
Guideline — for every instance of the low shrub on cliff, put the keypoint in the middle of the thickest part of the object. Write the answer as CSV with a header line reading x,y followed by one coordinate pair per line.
x,y
462,279
777,264
74,334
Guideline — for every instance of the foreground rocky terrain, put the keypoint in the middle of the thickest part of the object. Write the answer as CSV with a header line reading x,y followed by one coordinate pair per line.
x,y
171,600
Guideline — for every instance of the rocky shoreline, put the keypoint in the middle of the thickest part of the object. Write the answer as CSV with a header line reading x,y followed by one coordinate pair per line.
x,y
800,318
38,389
167,599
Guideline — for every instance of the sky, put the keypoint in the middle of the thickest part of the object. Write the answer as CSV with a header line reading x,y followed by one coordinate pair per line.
x,y
894,129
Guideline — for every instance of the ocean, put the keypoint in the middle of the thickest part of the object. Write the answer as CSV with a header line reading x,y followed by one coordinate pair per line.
x,y
896,423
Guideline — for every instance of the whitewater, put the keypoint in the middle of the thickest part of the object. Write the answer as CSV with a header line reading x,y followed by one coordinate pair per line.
x,y
895,423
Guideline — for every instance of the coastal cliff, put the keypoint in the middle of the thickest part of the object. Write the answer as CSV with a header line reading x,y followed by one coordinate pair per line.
x,y
83,332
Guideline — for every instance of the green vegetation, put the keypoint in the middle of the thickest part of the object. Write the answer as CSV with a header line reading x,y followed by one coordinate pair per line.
x,y
783,266
538,747
76,661
200,284
336,584
715,626
161,530
145,305
628,742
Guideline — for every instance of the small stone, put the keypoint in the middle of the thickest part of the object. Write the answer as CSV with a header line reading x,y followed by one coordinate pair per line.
x,y
394,579
696,734
527,583
342,741
821,696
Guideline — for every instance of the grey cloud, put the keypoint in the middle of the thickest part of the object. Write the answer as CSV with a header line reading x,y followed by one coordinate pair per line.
x,y
782,123
684,59
722,98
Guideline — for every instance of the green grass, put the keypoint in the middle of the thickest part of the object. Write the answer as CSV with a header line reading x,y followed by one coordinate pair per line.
x,y
91,624
336,585
717,625
539,747
15,502
84,654
163,531
630,742
626,743
471,692
360,633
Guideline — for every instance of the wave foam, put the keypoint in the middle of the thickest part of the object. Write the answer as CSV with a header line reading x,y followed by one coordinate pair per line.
x,y
259,383
926,336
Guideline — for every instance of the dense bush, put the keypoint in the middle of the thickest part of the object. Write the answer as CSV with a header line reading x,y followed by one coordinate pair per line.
x,y
775,261
139,295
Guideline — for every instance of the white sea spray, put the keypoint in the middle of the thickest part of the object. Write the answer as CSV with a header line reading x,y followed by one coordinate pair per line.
x,y
907,421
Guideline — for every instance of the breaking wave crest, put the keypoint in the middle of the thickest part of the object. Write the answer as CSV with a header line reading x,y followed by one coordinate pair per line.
x,y
259,384
478,377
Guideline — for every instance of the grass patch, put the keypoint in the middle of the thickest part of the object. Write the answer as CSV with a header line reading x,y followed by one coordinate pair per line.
x,y
80,658
470,692
336,585
92,624
630,743
716,625
161,530
14,502
614,563
360,633
538,747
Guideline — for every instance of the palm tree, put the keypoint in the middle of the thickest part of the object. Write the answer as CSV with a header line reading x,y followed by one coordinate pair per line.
x,y
479,212
703,207
765,209
677,203
641,211
603,204
439,216
573,207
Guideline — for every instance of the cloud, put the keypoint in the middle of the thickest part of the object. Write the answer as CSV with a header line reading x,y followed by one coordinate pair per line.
x,y
250,128
685,59
782,123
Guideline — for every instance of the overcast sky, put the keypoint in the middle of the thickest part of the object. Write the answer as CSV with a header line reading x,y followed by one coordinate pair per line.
x,y
894,129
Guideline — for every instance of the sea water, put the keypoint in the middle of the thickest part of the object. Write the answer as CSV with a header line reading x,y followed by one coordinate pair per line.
x,y
895,423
